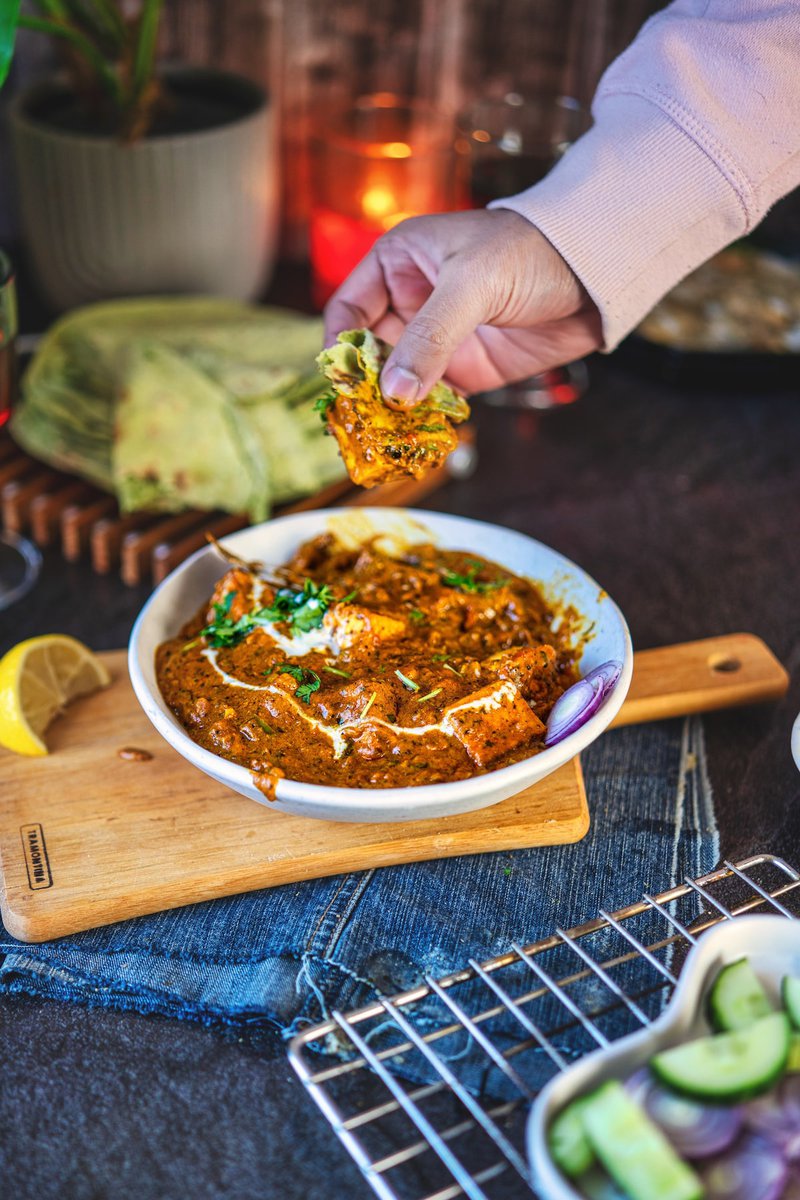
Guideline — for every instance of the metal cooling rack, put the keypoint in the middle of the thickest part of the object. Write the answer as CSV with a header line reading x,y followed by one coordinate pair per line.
x,y
430,1088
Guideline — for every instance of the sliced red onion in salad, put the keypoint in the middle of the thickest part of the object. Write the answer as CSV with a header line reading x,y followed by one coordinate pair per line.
x,y
580,702
696,1130
777,1116
753,1169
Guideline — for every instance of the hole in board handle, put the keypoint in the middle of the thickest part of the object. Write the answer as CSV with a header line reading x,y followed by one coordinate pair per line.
x,y
724,664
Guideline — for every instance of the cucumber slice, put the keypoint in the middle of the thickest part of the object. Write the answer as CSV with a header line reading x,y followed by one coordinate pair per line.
x,y
728,1067
568,1143
790,994
633,1150
737,999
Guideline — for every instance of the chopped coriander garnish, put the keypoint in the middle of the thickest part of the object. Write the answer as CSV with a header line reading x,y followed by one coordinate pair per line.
x,y
350,596
368,706
303,610
432,428
417,615
323,404
223,631
470,582
336,671
406,682
263,725
440,658
430,695
450,667
189,645
308,681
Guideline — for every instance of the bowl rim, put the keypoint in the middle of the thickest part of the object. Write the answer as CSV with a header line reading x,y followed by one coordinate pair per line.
x,y
337,799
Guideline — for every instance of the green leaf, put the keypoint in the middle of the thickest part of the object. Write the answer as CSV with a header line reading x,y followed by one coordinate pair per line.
x,y
108,15
470,583
323,405
145,52
303,610
308,681
94,59
9,16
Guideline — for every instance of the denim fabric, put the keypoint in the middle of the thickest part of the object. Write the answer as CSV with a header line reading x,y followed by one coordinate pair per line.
x,y
284,957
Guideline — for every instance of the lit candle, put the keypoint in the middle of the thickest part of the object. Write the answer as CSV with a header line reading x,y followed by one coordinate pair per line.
x,y
367,178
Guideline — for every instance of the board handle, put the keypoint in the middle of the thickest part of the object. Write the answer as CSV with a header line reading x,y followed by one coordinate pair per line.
x,y
694,677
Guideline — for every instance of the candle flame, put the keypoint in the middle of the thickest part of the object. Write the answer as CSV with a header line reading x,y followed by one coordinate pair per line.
x,y
378,203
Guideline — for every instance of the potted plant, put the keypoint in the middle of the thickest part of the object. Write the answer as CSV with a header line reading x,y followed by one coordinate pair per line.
x,y
133,179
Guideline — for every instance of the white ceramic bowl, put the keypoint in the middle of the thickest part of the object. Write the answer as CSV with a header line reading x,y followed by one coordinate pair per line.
x,y
772,944
189,586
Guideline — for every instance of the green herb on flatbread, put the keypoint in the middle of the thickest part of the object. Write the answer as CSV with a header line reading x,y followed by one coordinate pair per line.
x,y
379,443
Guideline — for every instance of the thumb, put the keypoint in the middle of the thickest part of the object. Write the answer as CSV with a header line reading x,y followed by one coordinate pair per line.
x,y
451,313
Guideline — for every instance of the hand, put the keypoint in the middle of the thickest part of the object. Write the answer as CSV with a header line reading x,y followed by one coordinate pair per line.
x,y
481,297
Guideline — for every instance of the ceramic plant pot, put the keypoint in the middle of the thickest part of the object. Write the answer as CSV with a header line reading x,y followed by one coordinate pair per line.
x,y
191,208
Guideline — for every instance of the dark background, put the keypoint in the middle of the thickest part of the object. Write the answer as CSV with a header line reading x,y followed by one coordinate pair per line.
x,y
680,494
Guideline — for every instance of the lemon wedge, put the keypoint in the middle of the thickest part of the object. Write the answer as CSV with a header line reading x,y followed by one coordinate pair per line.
x,y
38,678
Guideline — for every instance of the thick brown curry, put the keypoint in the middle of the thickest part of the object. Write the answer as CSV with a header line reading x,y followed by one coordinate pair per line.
x,y
356,669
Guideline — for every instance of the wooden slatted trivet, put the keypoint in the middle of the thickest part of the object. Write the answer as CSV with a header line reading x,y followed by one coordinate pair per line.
x,y
52,507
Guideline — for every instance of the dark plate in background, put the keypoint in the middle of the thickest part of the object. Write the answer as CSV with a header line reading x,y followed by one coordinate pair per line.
x,y
738,371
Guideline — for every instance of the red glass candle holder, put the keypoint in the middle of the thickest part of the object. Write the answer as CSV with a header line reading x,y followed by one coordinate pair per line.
x,y
373,165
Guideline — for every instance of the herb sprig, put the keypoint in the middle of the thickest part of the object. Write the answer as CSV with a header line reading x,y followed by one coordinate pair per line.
x,y
470,582
323,404
303,609
223,631
308,681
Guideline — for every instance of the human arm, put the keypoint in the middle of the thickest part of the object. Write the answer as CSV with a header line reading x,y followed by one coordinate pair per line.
x,y
697,132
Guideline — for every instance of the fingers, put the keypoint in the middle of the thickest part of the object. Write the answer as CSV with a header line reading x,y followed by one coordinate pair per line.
x,y
360,302
452,312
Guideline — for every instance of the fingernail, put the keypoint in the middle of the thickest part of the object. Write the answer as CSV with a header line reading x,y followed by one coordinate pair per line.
x,y
400,384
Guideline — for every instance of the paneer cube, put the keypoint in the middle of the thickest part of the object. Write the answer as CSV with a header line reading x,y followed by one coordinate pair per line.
x,y
532,668
491,722
349,624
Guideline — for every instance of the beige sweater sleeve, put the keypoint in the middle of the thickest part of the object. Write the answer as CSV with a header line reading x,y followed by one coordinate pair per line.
x,y
696,133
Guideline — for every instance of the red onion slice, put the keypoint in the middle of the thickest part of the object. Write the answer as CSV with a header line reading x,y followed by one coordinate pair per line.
x,y
695,1130
753,1169
776,1116
792,1189
573,709
609,672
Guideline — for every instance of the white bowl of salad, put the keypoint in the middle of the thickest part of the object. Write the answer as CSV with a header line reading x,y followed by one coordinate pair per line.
x,y
702,1105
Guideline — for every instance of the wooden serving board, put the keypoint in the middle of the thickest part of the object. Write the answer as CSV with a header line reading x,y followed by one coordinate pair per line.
x,y
88,837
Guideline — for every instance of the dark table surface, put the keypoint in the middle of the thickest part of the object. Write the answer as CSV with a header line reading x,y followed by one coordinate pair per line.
x,y
685,504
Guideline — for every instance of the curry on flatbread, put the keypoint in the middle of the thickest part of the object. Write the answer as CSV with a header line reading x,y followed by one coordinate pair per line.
x,y
378,443
355,667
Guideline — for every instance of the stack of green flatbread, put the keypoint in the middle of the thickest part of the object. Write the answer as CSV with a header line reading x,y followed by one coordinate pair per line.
x,y
182,403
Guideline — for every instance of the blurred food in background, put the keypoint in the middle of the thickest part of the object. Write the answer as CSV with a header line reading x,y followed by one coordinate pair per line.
x,y
742,300
181,403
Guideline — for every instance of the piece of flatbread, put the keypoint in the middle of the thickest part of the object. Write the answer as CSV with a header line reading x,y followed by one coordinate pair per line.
x,y
180,442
